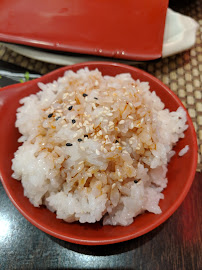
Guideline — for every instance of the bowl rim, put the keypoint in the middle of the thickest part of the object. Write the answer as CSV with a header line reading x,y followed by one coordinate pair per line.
x,y
164,216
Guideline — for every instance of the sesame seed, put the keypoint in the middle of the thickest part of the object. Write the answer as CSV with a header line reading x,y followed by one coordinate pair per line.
x,y
97,152
125,152
124,143
73,121
57,118
73,102
69,144
70,108
50,115
81,162
105,130
121,122
130,104
110,114
136,181
79,140
85,136
96,98
119,174
131,126
120,180
116,141
113,185
130,117
85,95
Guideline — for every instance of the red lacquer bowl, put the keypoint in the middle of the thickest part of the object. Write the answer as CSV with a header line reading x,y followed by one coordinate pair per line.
x,y
181,170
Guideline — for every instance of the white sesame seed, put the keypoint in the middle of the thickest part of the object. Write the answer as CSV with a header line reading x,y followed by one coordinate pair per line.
x,y
125,152
100,132
75,135
124,143
105,130
109,114
97,152
121,122
113,185
72,102
119,174
130,104
130,116
131,125
120,180
81,162
96,83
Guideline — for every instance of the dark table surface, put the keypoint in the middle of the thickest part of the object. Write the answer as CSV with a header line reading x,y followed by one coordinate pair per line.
x,y
176,244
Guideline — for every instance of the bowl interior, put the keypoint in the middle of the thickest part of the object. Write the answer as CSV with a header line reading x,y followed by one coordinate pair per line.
x,y
181,170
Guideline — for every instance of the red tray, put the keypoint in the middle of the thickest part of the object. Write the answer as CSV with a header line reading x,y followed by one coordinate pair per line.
x,y
127,29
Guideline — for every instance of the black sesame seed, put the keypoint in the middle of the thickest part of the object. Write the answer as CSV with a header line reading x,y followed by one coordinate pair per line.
x,y
79,140
57,118
70,108
95,98
116,141
85,95
69,144
73,121
85,136
135,181
50,115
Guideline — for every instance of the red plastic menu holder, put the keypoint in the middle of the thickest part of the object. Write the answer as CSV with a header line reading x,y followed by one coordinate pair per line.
x,y
125,29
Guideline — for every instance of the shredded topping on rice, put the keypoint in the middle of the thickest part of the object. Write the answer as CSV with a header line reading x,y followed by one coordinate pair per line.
x,y
92,146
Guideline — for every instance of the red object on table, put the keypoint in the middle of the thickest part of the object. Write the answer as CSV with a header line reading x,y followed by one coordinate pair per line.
x,y
129,29
181,170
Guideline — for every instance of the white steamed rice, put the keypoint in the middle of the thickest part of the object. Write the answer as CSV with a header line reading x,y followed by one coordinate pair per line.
x,y
99,155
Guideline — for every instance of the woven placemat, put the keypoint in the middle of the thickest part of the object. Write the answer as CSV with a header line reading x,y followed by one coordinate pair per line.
x,y
182,73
